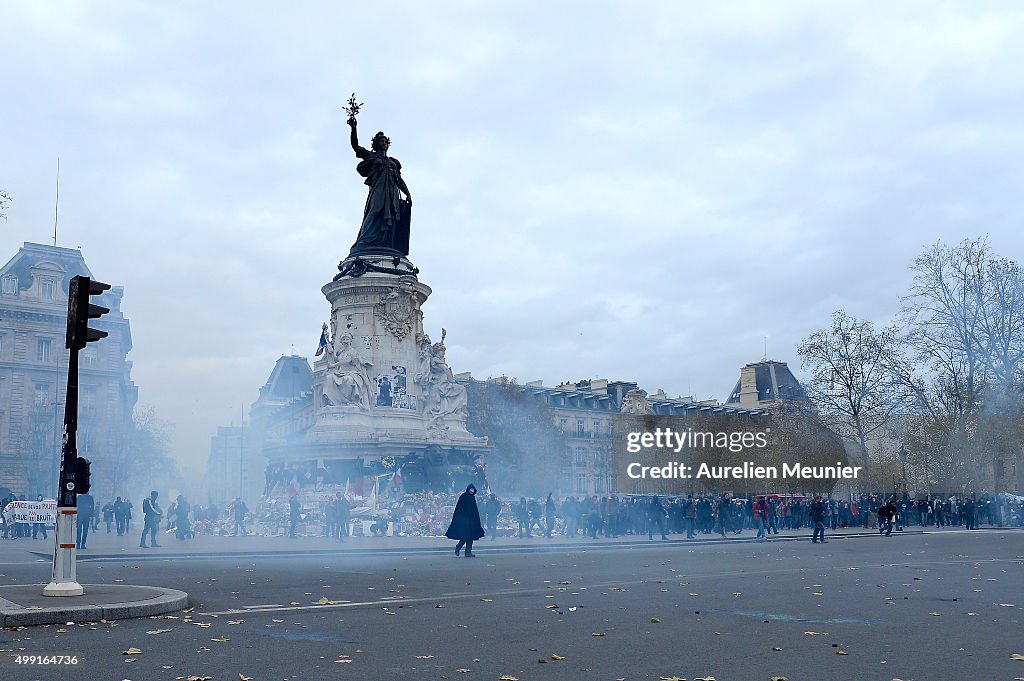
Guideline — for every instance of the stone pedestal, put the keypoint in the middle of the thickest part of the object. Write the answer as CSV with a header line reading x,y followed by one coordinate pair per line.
x,y
376,318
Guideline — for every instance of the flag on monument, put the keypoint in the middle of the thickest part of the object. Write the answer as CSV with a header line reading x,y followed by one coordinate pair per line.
x,y
323,342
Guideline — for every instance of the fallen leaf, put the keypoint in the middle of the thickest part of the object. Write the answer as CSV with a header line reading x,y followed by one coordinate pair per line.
x,y
541,661
779,678
777,649
508,677
221,639
158,631
840,651
424,657
343,661
655,620
816,633
1017,656
487,600
599,634
557,657
243,677
671,678
235,621
462,671
132,651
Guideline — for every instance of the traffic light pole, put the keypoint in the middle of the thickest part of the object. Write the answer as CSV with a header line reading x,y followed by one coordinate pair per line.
x,y
64,581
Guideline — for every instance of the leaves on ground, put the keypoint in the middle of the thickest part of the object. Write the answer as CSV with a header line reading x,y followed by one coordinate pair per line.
x,y
1017,656
132,651
557,657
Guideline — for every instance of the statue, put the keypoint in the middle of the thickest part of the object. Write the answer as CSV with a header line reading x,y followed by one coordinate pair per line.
x,y
346,382
635,402
444,396
385,227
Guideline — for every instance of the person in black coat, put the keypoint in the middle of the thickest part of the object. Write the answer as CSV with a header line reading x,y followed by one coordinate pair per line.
x,y
465,525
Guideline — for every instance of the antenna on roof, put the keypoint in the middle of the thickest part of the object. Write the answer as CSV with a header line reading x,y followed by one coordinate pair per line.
x,y
56,202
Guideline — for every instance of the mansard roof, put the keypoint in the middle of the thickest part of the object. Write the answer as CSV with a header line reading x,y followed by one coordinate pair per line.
x,y
290,378
68,261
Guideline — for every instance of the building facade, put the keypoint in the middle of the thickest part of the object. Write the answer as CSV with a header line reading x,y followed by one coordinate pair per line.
x,y
33,375
584,412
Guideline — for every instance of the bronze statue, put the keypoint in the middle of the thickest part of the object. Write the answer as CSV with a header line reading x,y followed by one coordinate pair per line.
x,y
385,227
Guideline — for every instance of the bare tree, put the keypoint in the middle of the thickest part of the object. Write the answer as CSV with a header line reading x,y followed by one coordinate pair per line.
x,y
965,331
5,201
852,381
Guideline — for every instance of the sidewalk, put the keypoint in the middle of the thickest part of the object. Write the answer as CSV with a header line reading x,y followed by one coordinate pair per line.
x,y
25,605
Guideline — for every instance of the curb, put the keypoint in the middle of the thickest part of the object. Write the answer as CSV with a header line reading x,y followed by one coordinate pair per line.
x,y
161,601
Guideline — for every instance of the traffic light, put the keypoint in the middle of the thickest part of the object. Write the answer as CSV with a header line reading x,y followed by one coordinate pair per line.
x,y
82,475
80,311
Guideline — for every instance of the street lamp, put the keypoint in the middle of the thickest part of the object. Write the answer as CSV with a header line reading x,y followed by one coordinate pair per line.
x,y
903,464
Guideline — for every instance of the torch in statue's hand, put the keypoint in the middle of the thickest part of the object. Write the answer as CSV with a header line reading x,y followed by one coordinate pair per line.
x,y
352,109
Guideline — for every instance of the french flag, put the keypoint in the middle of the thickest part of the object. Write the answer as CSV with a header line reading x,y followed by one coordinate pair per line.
x,y
323,342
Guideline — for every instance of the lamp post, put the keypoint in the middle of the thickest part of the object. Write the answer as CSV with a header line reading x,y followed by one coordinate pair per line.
x,y
903,464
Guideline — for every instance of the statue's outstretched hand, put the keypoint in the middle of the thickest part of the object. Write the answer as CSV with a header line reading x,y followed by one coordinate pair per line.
x,y
351,121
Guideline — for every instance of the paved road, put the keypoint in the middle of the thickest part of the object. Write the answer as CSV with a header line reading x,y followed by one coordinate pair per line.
x,y
938,606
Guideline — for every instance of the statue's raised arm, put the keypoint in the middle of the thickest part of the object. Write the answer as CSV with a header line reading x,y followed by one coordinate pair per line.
x,y
361,152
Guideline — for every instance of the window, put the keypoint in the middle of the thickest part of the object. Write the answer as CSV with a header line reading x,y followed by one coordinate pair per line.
x,y
88,398
581,482
10,286
597,427
1,343
43,349
42,394
46,289
581,456
88,357
581,427
563,425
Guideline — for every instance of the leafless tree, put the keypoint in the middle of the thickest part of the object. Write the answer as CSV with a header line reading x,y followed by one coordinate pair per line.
x,y
852,382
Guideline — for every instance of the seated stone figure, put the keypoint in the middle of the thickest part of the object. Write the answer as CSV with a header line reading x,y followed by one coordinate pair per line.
x,y
346,382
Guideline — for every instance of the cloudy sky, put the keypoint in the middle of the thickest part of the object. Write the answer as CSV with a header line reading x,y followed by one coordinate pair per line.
x,y
637,191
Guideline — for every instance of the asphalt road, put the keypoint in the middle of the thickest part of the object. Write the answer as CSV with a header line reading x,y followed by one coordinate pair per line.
x,y
948,605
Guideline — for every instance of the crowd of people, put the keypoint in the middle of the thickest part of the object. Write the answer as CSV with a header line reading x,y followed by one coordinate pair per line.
x,y
336,515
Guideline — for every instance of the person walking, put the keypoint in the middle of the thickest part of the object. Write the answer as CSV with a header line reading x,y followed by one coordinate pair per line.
x,y
86,509
817,515
108,514
656,518
549,515
151,513
120,516
294,511
493,506
238,510
465,526
886,517
39,527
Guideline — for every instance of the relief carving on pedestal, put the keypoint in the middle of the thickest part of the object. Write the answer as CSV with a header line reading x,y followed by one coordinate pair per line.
x,y
398,311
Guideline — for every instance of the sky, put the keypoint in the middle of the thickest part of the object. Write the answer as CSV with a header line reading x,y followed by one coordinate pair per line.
x,y
645,191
